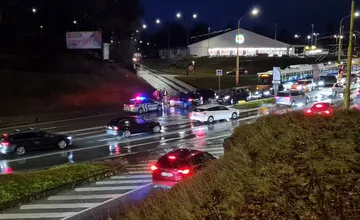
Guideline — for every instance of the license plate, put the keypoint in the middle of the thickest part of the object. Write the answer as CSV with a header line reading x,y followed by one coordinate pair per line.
x,y
167,174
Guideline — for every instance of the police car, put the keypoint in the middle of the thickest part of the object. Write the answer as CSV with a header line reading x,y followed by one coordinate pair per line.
x,y
141,105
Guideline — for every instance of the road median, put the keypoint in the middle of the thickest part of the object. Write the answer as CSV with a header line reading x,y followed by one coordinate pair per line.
x,y
287,166
20,188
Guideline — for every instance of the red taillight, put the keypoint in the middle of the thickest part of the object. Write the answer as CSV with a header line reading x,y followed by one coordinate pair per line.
x,y
319,106
116,128
153,168
5,143
171,157
186,171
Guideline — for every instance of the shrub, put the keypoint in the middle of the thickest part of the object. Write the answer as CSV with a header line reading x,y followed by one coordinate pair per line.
x,y
280,167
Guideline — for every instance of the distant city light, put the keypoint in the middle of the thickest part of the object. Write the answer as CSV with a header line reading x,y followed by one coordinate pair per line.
x,y
34,10
158,21
75,21
41,26
194,16
144,26
148,43
255,11
178,15
137,31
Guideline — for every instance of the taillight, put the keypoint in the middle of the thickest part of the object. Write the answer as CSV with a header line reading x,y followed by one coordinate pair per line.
x,y
186,171
319,106
327,112
308,111
131,106
153,168
116,128
171,157
5,143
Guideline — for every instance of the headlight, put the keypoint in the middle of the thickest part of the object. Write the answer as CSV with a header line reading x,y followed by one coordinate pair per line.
x,y
299,87
227,97
320,83
69,138
267,93
257,92
217,97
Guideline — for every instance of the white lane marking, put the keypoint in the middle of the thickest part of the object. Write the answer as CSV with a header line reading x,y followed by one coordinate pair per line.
x,y
119,182
145,167
131,177
81,130
141,172
98,146
83,197
50,128
37,215
59,206
104,188
108,201
138,165
57,121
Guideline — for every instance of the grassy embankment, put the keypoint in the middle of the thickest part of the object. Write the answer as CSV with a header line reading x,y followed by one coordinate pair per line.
x,y
205,68
281,167
18,186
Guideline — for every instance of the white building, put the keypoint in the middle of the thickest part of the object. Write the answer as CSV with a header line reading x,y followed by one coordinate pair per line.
x,y
250,44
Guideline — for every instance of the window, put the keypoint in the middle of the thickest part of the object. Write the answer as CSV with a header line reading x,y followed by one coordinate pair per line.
x,y
29,135
214,109
164,162
223,108
41,134
199,110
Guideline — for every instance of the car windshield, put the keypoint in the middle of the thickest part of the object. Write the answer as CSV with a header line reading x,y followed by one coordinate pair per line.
x,y
165,162
283,94
328,85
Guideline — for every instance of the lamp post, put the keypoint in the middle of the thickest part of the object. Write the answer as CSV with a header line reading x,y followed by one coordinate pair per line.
x,y
312,34
349,57
254,12
194,16
356,14
308,37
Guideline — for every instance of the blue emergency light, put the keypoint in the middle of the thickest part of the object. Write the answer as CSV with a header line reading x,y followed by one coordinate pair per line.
x,y
140,98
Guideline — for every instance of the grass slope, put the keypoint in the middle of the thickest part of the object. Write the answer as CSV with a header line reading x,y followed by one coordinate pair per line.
x,y
281,167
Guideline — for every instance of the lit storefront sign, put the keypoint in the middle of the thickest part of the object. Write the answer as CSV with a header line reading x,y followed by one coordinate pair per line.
x,y
239,39
249,51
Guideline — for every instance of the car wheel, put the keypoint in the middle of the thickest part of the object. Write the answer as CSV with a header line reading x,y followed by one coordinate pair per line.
x,y
234,115
62,144
232,101
127,133
186,105
159,108
293,104
19,151
141,110
211,119
307,101
156,129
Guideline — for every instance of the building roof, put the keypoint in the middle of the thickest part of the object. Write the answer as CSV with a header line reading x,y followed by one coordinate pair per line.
x,y
227,40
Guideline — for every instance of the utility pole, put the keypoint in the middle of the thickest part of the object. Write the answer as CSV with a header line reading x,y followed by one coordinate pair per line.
x,y
312,34
340,42
349,58
275,31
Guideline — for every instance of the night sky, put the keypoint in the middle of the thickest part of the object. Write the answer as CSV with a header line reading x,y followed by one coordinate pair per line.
x,y
295,15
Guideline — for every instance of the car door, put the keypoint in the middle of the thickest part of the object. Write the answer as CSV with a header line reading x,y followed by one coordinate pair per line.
x,y
295,96
224,113
31,141
152,105
215,112
141,125
46,140
338,88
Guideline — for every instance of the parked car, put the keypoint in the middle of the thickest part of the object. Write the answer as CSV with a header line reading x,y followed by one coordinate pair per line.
x,y
322,80
211,113
332,89
186,99
126,126
178,165
234,95
292,98
242,71
20,142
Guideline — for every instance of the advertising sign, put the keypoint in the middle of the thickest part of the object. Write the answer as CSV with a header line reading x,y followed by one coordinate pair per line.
x,y
239,39
276,74
84,40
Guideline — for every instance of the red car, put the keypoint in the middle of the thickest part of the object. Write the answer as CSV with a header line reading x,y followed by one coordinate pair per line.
x,y
321,108
178,165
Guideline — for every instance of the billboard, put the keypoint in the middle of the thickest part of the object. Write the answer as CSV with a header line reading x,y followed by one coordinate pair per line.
x,y
239,39
84,40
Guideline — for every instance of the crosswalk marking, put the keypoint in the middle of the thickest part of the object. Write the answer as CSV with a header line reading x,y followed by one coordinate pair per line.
x,y
59,206
114,182
36,215
131,177
111,188
83,197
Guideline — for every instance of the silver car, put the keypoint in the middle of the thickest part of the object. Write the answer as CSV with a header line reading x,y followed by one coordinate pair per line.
x,y
292,98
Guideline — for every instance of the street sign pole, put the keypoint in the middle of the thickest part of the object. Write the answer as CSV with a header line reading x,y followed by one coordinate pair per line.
x,y
219,74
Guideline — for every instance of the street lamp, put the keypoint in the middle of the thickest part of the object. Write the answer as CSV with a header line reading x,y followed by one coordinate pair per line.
x,y
308,37
178,15
144,26
41,26
194,16
158,21
74,21
253,12
137,31
34,10
356,14
297,36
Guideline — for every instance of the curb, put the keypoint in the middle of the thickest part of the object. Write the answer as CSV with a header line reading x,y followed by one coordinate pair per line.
x,y
68,186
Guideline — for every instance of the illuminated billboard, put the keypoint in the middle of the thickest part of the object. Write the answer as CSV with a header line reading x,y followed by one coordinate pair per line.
x,y
239,39
84,40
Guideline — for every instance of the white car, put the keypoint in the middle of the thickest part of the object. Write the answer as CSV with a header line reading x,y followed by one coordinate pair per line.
x,y
292,98
332,89
211,113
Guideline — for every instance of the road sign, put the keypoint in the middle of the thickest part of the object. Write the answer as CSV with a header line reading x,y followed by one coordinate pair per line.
x,y
276,74
219,72
239,39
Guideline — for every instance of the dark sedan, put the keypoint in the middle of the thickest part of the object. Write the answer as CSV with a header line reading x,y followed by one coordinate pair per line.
x,y
127,126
